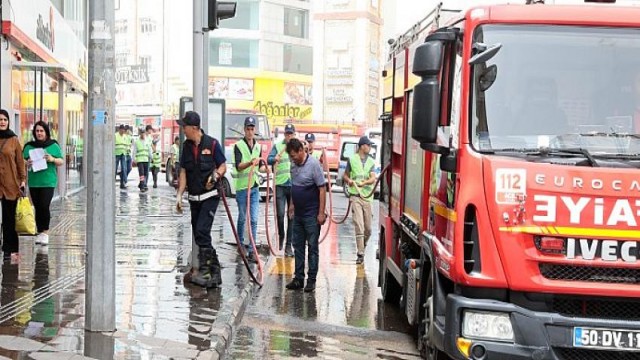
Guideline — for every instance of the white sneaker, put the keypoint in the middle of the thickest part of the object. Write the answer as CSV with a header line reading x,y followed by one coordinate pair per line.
x,y
42,239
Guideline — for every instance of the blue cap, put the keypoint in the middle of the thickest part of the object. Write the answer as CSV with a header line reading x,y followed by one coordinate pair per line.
x,y
364,141
250,121
310,138
289,129
190,118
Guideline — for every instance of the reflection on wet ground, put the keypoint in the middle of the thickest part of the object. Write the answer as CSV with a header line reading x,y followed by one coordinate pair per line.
x,y
344,319
42,296
159,317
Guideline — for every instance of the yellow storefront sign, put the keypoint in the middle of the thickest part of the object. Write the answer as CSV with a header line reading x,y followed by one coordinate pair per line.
x,y
279,96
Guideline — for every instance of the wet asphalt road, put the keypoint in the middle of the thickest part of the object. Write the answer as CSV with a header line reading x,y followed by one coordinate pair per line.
x,y
345,318
158,316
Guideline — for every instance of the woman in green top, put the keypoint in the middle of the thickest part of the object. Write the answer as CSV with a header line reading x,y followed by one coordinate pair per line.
x,y
42,183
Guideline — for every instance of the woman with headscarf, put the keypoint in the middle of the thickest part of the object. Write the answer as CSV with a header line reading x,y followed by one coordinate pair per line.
x,y
12,179
43,183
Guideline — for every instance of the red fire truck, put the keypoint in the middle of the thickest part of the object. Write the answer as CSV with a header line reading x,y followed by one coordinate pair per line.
x,y
509,216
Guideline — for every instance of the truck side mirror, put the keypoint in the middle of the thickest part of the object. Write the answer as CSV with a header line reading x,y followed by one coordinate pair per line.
x,y
426,95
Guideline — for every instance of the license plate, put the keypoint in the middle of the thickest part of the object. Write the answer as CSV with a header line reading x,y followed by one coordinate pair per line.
x,y
628,340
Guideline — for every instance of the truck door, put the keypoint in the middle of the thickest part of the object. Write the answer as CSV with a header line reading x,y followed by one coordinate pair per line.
x,y
442,186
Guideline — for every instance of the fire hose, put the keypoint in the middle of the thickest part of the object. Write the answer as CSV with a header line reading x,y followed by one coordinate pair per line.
x,y
259,277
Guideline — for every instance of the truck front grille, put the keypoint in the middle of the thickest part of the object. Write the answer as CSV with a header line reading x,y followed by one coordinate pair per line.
x,y
584,354
597,308
590,274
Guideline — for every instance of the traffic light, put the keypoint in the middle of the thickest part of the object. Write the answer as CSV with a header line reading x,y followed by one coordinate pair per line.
x,y
219,10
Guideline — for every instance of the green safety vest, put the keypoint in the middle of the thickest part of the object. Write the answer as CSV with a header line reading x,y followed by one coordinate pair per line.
x,y
80,147
176,151
316,154
360,173
241,178
122,144
157,159
142,151
283,169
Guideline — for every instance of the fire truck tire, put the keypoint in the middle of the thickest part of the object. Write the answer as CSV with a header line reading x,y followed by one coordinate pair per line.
x,y
425,321
391,289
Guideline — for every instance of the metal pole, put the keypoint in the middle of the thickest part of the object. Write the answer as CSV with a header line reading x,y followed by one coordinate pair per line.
x,y
100,306
198,87
41,93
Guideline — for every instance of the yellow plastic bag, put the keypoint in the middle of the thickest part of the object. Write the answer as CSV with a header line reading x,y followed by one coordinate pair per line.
x,y
25,217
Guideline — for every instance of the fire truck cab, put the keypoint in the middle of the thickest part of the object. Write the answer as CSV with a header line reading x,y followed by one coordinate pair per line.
x,y
509,216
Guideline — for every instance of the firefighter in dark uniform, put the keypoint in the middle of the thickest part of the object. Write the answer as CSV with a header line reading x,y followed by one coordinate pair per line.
x,y
202,164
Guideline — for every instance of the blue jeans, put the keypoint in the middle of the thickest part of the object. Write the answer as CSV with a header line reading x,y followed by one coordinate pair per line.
x,y
306,232
283,196
121,160
128,164
241,198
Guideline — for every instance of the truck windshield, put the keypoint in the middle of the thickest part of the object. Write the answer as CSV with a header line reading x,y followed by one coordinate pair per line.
x,y
558,87
235,126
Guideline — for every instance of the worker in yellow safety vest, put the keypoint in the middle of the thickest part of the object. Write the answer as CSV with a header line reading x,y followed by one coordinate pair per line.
x,y
123,146
360,177
246,153
141,158
156,160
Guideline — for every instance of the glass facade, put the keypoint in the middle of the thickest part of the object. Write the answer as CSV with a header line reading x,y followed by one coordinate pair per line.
x,y
45,106
296,23
297,59
233,52
247,16
75,13
74,147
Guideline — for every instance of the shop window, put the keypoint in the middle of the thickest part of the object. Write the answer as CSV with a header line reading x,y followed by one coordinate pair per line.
x,y
233,52
147,26
121,59
296,23
297,59
122,26
145,60
247,16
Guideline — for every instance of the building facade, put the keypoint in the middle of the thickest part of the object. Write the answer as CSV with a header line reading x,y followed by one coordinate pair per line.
x,y
262,60
43,75
347,60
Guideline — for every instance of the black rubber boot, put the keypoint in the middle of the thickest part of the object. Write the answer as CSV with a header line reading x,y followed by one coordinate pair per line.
x,y
205,276
216,275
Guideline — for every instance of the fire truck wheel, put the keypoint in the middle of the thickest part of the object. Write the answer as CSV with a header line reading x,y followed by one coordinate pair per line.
x,y
391,290
426,326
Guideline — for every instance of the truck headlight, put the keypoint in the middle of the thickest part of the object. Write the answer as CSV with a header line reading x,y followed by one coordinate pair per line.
x,y
487,325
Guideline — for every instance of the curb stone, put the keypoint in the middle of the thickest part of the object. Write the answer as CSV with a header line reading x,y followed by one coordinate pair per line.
x,y
229,317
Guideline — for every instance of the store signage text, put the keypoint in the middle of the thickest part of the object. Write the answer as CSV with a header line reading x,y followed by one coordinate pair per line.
x,y
270,109
45,32
135,74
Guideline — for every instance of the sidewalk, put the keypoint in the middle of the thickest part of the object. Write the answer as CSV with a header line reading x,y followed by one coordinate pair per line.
x,y
157,316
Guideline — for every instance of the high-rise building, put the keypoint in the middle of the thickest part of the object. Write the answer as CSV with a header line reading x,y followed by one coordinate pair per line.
x,y
347,60
262,60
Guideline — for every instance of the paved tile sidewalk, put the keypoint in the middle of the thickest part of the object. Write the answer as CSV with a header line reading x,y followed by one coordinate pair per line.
x,y
157,316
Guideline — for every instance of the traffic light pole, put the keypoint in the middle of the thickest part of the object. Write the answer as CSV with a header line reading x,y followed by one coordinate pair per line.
x,y
100,308
200,86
